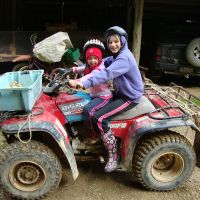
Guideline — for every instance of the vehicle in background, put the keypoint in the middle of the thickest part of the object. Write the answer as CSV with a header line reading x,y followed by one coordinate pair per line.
x,y
178,59
173,47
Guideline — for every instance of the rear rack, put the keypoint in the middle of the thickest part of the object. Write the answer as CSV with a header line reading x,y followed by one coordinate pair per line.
x,y
164,110
174,94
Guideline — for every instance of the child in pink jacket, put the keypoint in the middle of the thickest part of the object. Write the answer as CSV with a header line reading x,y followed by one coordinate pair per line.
x,y
100,94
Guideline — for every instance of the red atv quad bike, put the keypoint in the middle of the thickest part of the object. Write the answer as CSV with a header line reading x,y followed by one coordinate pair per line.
x,y
159,158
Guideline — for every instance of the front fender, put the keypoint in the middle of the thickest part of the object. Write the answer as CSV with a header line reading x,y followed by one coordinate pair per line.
x,y
55,129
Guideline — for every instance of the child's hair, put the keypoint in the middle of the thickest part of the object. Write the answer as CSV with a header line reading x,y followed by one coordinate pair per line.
x,y
116,36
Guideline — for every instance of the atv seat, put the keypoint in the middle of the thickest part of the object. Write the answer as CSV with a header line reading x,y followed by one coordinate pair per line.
x,y
145,106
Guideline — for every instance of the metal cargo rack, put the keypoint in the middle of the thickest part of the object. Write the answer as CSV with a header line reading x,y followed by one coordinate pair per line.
x,y
177,95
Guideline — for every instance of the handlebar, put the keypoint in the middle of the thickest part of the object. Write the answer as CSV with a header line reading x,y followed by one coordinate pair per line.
x,y
59,80
67,71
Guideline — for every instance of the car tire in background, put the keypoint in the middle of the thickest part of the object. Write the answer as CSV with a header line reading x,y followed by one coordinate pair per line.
x,y
193,52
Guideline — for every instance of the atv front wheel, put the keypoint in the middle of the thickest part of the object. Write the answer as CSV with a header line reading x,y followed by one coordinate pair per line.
x,y
163,161
29,171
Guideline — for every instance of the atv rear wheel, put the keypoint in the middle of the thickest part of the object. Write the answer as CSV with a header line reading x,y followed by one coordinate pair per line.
x,y
163,161
26,67
29,171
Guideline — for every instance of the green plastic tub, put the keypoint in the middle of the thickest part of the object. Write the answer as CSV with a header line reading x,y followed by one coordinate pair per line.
x,y
72,55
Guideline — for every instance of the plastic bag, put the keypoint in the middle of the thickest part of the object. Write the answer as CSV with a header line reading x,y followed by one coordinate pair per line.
x,y
51,49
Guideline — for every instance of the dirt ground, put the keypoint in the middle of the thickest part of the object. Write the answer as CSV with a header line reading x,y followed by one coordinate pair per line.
x,y
94,183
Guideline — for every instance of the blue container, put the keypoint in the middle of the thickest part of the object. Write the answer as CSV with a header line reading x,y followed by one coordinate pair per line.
x,y
20,98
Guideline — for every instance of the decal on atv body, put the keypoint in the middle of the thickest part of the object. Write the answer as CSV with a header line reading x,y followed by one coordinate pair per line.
x,y
72,105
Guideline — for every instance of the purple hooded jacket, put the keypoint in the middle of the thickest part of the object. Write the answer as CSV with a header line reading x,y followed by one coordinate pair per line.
x,y
124,72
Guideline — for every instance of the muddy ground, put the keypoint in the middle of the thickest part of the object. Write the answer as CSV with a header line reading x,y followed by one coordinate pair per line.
x,y
94,184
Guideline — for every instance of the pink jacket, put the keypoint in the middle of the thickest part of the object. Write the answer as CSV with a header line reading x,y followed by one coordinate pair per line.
x,y
102,90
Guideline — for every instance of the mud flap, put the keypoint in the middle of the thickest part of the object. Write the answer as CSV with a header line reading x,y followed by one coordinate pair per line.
x,y
70,157
197,148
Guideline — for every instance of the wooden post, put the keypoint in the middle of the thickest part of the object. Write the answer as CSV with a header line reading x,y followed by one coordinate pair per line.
x,y
137,32
129,16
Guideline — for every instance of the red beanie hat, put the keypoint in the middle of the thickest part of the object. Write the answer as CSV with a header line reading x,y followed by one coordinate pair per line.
x,y
93,51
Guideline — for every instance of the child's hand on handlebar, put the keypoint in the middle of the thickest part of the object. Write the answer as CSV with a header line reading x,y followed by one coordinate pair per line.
x,y
75,84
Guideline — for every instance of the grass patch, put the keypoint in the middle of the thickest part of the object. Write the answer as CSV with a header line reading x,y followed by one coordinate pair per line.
x,y
192,99
195,101
2,141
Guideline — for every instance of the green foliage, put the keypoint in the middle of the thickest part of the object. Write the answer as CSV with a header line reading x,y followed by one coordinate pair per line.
x,y
195,101
2,141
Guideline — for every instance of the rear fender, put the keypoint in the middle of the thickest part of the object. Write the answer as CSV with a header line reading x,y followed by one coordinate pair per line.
x,y
55,129
22,58
138,130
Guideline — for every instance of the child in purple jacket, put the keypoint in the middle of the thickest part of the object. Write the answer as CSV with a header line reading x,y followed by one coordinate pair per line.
x,y
122,68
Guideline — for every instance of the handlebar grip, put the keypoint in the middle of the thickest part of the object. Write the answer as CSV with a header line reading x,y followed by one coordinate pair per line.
x,y
78,87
